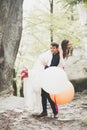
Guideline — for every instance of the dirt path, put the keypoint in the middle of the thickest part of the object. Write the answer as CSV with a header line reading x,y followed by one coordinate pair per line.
x,y
15,116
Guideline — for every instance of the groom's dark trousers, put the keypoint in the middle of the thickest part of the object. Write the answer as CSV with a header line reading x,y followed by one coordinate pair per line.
x,y
54,62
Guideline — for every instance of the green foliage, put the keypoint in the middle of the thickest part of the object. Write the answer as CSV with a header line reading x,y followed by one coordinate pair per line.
x,y
75,2
71,2
60,22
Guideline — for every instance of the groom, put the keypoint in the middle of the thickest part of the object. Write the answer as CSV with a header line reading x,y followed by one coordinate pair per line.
x,y
54,61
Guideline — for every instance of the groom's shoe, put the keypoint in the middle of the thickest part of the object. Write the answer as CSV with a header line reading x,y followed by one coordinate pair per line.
x,y
56,115
42,114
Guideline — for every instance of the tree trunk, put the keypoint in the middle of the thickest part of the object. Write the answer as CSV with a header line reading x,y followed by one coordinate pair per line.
x,y
51,19
14,83
10,35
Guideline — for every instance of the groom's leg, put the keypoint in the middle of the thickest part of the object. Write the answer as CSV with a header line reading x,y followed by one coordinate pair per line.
x,y
44,100
44,104
53,106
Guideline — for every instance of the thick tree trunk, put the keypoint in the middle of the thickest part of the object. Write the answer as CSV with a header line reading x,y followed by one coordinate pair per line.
x,y
10,35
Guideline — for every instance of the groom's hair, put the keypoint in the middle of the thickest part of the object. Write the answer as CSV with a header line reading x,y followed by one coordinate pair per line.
x,y
54,44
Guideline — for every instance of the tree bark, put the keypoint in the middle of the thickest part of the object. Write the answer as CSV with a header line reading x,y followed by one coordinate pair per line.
x,y
14,85
10,36
51,19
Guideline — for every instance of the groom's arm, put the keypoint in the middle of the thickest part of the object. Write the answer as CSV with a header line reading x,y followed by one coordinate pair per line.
x,y
45,67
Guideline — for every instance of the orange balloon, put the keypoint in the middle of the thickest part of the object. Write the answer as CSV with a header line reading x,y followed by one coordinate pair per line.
x,y
65,96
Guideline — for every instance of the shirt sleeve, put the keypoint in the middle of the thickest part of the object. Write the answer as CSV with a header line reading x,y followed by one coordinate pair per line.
x,y
46,67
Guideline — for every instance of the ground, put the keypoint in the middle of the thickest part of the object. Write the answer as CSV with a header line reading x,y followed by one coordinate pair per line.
x,y
15,116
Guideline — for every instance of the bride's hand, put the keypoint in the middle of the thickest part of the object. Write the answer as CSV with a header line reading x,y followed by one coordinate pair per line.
x,y
44,63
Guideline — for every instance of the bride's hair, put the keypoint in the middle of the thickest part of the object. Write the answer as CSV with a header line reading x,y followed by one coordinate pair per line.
x,y
64,46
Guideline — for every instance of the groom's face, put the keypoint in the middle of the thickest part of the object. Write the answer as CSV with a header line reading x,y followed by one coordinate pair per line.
x,y
54,49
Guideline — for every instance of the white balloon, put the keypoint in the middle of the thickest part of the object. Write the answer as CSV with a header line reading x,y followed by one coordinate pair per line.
x,y
54,80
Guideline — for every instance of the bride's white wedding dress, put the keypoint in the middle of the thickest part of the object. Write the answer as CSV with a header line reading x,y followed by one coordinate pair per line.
x,y
32,84
32,91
